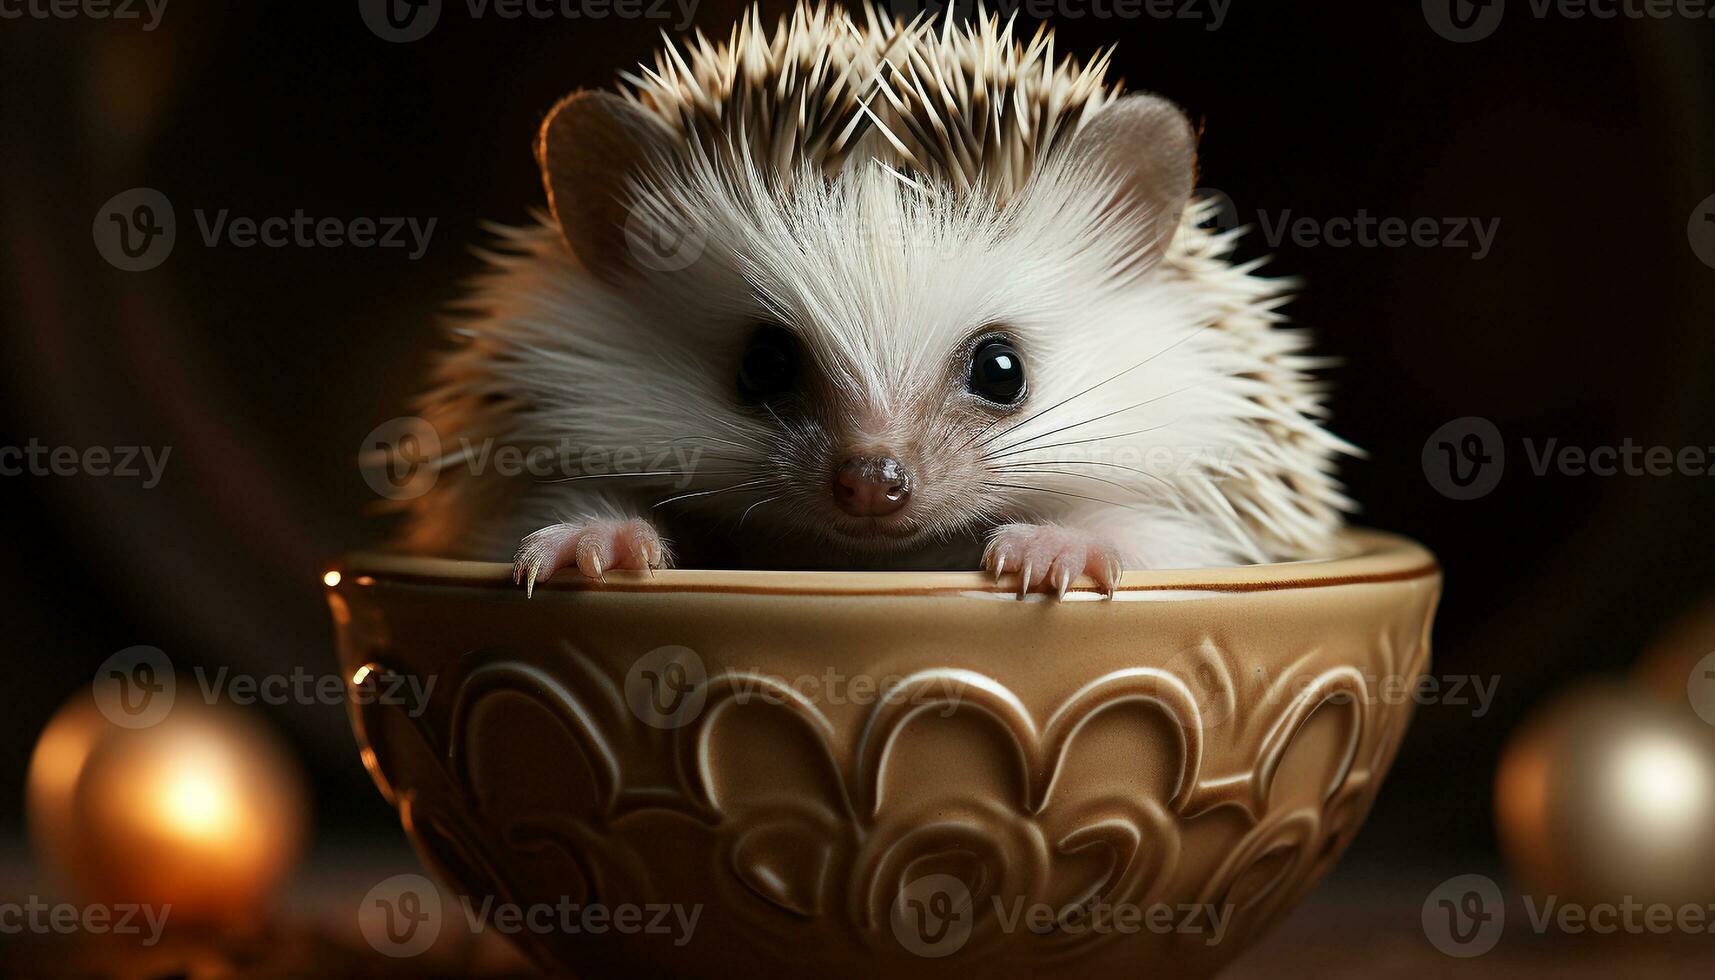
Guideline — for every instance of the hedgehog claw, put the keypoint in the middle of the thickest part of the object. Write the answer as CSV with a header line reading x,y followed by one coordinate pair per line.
x,y
591,547
1052,557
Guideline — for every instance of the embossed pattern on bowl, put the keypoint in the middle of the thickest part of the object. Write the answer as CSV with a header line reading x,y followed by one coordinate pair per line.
x,y
850,773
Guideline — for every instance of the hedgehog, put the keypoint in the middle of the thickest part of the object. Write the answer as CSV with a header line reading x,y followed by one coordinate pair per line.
x,y
857,292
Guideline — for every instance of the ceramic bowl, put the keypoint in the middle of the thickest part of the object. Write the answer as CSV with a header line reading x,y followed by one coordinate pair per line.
x,y
716,773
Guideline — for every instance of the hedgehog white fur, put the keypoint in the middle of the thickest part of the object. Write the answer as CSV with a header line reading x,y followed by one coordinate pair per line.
x,y
883,198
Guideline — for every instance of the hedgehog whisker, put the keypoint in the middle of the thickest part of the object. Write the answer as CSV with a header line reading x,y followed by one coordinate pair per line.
x,y
1062,493
1027,470
1029,465
752,507
1064,401
1075,442
643,473
707,438
1000,450
767,482
751,461
980,432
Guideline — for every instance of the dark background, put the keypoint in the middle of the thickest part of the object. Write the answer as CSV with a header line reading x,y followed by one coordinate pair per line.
x,y
1590,321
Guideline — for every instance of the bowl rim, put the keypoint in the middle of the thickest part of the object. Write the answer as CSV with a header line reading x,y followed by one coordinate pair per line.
x,y
1371,557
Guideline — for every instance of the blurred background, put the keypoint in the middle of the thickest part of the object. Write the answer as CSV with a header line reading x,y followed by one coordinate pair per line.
x,y
1587,146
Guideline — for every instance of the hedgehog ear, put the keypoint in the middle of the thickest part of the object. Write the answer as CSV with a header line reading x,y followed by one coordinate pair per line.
x,y
589,146
1146,141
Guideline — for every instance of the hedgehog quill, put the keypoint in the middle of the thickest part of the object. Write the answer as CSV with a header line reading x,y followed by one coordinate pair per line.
x,y
912,294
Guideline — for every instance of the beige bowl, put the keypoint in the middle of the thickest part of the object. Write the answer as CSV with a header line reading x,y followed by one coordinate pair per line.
x,y
862,774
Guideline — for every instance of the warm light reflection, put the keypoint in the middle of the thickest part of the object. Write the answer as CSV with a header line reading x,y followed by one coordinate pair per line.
x,y
202,811
196,802
331,578
1662,786
1609,794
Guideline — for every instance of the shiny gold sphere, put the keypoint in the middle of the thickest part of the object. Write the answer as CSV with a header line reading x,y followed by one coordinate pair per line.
x,y
1610,793
203,811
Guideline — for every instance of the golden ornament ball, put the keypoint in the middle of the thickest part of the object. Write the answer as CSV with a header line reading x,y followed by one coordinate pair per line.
x,y
201,809
1609,794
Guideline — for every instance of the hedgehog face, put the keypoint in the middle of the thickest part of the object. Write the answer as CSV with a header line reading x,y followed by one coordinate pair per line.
x,y
872,467
869,338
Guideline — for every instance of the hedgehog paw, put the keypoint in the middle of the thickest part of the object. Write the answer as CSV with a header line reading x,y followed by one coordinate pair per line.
x,y
1047,558
592,547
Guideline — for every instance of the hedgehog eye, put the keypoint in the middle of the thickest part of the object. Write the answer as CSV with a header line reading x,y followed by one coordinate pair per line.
x,y
997,372
769,364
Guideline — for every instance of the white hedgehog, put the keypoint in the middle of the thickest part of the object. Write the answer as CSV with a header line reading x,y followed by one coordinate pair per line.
x,y
926,288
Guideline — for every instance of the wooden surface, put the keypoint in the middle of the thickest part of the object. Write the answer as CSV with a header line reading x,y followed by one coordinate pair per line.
x,y
1359,924
1363,925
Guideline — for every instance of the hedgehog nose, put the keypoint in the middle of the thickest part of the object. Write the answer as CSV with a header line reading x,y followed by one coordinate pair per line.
x,y
871,486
